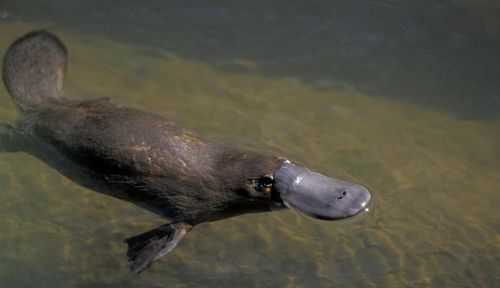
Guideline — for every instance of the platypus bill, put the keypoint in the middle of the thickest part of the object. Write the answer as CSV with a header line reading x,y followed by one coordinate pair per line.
x,y
149,161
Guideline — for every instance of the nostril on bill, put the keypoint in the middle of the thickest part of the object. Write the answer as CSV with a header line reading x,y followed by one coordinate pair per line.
x,y
342,196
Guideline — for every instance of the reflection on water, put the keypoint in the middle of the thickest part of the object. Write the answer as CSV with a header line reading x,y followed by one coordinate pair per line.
x,y
441,54
434,174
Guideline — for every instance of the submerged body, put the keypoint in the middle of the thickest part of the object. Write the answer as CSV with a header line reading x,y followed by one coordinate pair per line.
x,y
149,161
145,159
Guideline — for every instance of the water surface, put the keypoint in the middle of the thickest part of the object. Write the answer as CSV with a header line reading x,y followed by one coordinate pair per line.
x,y
403,98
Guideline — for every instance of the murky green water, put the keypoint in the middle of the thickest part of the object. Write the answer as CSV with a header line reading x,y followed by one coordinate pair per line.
x,y
404,98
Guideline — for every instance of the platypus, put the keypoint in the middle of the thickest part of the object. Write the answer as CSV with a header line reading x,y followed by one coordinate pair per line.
x,y
150,161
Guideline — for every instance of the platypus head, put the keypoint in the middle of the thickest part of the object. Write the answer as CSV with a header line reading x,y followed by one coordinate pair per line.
x,y
296,187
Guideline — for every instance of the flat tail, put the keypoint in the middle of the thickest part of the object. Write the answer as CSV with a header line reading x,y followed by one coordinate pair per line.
x,y
34,68
146,248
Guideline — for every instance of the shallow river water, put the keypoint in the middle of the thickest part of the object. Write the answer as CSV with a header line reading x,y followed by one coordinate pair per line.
x,y
401,96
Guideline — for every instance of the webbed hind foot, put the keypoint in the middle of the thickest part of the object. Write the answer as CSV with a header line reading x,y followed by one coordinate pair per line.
x,y
146,248
10,141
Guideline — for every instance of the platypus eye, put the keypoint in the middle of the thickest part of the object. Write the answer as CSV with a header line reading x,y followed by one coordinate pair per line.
x,y
263,182
266,180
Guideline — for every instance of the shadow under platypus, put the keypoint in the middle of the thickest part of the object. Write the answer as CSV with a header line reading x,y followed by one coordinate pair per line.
x,y
147,160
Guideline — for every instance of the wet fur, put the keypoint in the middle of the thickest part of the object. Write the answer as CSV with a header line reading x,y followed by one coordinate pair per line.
x,y
145,159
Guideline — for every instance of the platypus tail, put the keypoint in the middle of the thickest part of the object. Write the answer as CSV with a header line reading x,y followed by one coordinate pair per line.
x,y
33,70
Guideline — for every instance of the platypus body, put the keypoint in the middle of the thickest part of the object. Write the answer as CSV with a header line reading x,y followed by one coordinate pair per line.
x,y
147,160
